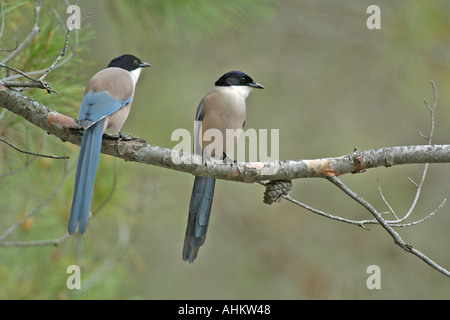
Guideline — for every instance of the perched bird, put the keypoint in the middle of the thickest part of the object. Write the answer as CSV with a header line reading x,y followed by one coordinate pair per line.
x,y
221,108
106,105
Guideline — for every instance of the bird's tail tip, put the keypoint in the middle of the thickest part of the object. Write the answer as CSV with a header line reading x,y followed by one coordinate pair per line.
x,y
75,226
190,254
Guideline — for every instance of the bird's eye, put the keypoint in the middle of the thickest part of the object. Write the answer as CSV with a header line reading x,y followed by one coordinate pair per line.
x,y
243,79
135,62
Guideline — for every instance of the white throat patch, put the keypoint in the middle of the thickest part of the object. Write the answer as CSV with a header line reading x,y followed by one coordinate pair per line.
x,y
244,91
135,74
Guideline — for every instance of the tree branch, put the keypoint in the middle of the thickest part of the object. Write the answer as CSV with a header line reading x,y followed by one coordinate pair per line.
x,y
137,150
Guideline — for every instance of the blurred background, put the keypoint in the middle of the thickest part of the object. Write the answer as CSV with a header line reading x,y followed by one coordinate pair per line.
x,y
331,85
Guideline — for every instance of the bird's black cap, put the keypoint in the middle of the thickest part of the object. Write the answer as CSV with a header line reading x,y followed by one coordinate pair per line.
x,y
128,62
237,78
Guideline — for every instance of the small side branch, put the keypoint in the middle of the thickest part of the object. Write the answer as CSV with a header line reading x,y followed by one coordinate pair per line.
x,y
33,83
28,84
35,243
32,153
397,238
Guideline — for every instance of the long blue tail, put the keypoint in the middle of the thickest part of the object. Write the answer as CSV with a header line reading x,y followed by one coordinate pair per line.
x,y
84,179
199,213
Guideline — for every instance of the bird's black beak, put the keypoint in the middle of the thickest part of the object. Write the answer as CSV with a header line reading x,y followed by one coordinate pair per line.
x,y
144,65
255,85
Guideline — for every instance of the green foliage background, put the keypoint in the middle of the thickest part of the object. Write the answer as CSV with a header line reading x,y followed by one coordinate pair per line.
x,y
331,84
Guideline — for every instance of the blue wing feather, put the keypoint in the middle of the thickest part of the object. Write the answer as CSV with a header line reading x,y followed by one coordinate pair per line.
x,y
97,106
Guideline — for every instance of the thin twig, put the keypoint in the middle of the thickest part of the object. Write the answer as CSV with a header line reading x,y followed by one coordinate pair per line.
x,y
413,182
425,169
12,49
23,74
398,240
28,161
39,82
33,153
396,224
324,214
35,243
59,57
432,109
417,195
385,201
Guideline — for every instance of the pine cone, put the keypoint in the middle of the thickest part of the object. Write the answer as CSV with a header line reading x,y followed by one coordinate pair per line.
x,y
275,189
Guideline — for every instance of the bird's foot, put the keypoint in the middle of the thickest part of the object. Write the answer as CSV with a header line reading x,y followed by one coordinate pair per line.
x,y
123,136
227,160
